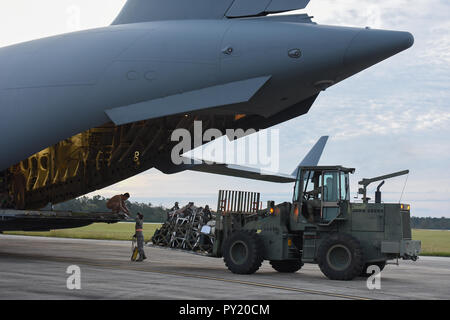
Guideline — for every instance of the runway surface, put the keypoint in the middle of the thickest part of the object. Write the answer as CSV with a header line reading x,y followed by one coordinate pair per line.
x,y
35,268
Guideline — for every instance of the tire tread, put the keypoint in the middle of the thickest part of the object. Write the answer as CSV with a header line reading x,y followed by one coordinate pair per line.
x,y
256,246
357,264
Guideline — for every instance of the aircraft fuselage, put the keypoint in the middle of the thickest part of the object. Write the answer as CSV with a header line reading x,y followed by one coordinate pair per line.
x,y
54,88
78,109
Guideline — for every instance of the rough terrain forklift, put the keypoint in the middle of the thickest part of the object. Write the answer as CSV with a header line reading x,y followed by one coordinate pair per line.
x,y
320,226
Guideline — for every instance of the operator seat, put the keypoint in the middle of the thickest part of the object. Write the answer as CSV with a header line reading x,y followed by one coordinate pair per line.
x,y
312,207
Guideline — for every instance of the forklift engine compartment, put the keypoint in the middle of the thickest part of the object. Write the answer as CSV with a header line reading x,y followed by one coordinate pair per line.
x,y
320,226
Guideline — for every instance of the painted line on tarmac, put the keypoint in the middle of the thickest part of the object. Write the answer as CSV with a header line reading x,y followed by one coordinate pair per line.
x,y
187,275
257,284
249,283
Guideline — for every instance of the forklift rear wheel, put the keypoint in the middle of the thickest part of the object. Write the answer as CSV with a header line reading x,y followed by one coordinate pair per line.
x,y
287,266
340,257
380,264
243,252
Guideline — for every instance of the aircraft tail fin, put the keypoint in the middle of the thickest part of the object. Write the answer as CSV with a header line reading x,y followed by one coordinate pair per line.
x,y
156,10
313,156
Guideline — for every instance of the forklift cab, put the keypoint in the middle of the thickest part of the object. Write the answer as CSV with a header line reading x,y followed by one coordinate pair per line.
x,y
319,191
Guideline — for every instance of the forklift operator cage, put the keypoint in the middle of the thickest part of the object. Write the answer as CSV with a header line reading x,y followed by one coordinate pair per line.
x,y
323,187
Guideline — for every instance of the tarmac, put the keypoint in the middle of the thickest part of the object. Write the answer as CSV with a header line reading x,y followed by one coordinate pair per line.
x,y
35,268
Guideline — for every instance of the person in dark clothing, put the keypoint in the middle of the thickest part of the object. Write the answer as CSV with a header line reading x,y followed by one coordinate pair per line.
x,y
140,236
172,211
188,210
206,214
175,207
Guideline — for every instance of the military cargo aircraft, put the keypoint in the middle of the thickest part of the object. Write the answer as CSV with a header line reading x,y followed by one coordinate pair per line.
x,y
85,110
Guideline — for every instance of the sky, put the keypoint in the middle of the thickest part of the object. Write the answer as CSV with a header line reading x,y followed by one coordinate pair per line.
x,y
390,117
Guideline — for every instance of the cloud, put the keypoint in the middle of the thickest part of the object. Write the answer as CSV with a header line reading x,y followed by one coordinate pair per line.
x,y
25,20
428,20
437,47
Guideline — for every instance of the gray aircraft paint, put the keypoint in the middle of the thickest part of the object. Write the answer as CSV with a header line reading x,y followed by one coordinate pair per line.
x,y
225,94
54,88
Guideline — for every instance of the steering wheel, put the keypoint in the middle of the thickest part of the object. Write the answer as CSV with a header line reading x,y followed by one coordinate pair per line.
x,y
307,195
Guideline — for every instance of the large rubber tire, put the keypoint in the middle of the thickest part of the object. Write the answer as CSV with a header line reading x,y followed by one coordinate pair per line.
x,y
287,266
340,257
380,264
243,252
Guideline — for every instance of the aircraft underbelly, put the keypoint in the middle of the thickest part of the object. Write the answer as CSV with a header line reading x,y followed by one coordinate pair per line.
x,y
36,124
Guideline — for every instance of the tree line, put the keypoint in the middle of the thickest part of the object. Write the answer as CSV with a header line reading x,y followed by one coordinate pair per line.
x,y
430,223
159,213
98,204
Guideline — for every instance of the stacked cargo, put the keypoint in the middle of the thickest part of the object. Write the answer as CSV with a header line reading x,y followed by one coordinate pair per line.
x,y
189,228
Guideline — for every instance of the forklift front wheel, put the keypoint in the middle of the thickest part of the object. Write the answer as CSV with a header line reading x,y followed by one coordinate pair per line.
x,y
340,257
243,252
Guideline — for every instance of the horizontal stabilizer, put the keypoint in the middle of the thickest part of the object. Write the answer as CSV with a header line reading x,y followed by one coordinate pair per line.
x,y
136,11
215,96
241,172
311,159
